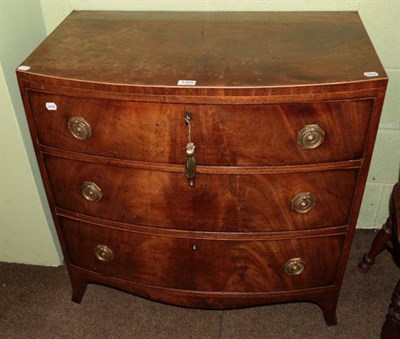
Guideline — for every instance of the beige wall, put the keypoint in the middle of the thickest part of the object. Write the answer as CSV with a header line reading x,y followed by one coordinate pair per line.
x,y
382,21
26,230
25,236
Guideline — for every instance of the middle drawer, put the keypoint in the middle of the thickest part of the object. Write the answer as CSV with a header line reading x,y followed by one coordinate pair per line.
x,y
228,202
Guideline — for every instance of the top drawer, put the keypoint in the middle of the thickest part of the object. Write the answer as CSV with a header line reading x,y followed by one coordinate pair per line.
x,y
230,135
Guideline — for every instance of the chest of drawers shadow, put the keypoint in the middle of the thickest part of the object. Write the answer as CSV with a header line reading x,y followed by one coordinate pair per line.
x,y
210,160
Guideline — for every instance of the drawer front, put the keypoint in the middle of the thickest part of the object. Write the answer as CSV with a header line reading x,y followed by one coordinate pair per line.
x,y
204,265
145,259
216,203
237,135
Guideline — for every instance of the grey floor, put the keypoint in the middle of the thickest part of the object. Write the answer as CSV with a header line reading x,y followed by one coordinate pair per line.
x,y
35,303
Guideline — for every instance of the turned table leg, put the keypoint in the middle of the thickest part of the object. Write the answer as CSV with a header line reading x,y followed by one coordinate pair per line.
x,y
391,327
378,245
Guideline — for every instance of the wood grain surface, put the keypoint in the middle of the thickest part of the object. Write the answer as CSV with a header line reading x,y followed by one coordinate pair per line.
x,y
224,135
215,203
221,265
220,49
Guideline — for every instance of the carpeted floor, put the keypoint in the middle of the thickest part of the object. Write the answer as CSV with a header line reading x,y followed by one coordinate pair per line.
x,y
35,303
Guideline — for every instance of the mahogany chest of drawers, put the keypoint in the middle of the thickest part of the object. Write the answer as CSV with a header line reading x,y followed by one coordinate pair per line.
x,y
211,160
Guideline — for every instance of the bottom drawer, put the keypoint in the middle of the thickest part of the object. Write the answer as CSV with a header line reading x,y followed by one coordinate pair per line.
x,y
230,265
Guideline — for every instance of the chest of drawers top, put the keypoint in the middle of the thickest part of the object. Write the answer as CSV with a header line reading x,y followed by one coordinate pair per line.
x,y
289,51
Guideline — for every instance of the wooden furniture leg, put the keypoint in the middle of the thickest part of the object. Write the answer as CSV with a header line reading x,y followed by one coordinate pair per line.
x,y
378,245
391,327
78,287
330,315
389,234
328,305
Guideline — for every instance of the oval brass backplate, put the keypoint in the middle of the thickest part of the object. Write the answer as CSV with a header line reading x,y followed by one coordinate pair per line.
x,y
303,202
310,136
79,128
294,266
103,253
91,192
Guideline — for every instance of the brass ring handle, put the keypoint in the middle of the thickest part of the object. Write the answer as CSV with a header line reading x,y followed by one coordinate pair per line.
x,y
303,202
310,136
91,192
79,128
103,253
294,266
